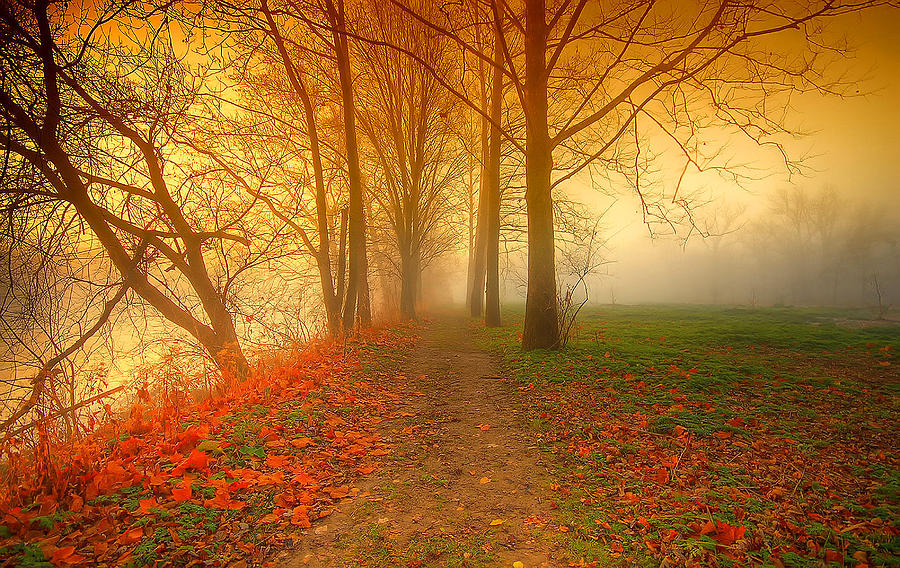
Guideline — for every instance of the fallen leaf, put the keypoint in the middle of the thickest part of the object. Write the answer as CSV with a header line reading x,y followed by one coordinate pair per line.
x,y
337,492
131,536
62,554
484,480
182,492
146,505
197,461
497,522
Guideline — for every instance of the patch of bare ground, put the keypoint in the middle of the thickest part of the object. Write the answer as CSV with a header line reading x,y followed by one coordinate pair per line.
x,y
462,488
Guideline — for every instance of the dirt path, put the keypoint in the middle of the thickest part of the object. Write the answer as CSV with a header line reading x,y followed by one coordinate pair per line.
x,y
462,461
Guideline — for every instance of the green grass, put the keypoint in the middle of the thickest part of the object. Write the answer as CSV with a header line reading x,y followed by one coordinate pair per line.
x,y
747,385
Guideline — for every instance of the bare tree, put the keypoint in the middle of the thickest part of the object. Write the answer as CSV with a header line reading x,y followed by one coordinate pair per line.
x,y
687,73
102,144
293,51
405,117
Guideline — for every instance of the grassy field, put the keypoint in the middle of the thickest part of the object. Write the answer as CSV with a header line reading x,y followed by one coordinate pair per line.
x,y
719,436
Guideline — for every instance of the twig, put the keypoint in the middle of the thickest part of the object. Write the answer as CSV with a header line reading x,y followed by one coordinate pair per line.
x,y
60,412
678,462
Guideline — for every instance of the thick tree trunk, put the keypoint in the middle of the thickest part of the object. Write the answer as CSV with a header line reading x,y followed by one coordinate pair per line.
x,y
541,322
409,284
225,349
471,230
492,252
219,338
342,256
479,258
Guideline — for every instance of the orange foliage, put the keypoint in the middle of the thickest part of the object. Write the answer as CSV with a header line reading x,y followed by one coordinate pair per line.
x,y
302,465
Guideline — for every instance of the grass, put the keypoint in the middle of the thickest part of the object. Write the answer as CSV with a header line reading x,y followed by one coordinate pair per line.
x,y
376,547
779,421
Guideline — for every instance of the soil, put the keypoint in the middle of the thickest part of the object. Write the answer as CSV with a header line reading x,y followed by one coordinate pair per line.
x,y
462,459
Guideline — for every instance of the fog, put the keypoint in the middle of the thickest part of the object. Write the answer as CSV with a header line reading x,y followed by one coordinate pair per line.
x,y
796,247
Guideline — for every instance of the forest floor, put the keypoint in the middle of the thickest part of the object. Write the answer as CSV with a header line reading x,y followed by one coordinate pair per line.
x,y
660,436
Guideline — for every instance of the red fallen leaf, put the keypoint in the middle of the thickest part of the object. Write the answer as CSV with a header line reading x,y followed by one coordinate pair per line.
x,y
77,504
300,516
708,527
535,520
834,556
726,534
197,461
302,478
62,554
182,492
617,547
285,500
274,479
660,476
337,492
643,521
147,504
278,461
301,443
737,422
679,429
130,536
723,435
365,470
190,437
631,497
223,501
158,479
484,427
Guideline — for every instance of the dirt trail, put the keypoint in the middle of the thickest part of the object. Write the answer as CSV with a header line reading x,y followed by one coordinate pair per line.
x,y
449,476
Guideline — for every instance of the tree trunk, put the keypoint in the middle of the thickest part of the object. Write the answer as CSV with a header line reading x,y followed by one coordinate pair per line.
x,y
409,280
364,307
225,349
219,338
470,265
492,252
476,276
477,271
357,245
342,256
541,322
331,300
